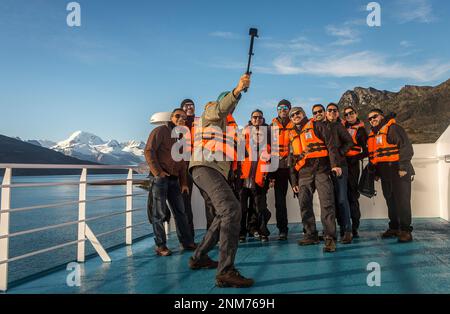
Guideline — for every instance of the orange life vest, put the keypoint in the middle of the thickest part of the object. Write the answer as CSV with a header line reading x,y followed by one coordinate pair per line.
x,y
282,147
263,160
307,141
353,131
225,143
379,148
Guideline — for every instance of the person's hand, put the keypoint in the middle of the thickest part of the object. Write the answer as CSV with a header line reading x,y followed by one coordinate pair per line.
x,y
244,83
402,173
337,171
163,174
272,183
296,189
184,189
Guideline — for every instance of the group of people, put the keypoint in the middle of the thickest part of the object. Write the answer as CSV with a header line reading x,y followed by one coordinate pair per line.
x,y
322,153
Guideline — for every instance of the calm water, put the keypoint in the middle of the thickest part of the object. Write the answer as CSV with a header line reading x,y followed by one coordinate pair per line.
x,y
19,221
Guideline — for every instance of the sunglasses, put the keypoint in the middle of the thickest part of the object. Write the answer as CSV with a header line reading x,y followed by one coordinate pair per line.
x,y
317,112
350,113
179,116
373,117
297,113
284,107
332,110
257,117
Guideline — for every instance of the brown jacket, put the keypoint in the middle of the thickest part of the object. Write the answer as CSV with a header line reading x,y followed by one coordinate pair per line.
x,y
158,154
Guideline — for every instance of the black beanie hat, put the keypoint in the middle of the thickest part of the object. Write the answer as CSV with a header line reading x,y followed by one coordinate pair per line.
x,y
185,102
285,102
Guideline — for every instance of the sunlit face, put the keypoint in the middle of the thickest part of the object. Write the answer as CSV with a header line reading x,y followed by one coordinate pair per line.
x,y
283,111
189,108
374,118
257,119
350,115
332,113
297,117
318,113
179,118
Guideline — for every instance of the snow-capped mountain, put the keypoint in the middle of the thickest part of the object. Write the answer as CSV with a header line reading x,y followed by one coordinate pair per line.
x,y
87,146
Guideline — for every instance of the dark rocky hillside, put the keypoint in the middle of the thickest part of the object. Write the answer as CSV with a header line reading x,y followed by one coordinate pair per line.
x,y
423,111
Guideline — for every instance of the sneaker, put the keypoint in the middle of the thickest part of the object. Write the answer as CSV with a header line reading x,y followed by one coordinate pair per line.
x,y
190,247
347,238
309,241
264,238
330,245
203,263
163,251
233,279
390,233
242,239
282,236
405,236
256,235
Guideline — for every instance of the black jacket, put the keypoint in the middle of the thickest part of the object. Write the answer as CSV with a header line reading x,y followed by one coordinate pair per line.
x,y
342,139
315,164
361,140
397,135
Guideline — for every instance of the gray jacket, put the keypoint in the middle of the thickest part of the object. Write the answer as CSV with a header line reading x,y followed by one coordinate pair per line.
x,y
215,115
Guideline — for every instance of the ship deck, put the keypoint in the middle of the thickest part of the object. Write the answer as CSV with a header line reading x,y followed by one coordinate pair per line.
x,y
422,266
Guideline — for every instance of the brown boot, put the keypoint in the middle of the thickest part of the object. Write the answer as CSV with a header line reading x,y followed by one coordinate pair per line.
x,y
233,279
347,238
203,263
308,241
405,236
330,245
390,233
163,251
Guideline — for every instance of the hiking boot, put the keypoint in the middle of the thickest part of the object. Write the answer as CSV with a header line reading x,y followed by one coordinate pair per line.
x,y
390,233
242,239
330,245
190,247
355,234
233,278
163,251
405,236
203,263
309,241
347,238
282,236
264,238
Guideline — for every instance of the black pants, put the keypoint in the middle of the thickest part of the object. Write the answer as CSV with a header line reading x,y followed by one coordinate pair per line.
x,y
255,214
281,177
188,206
226,223
249,220
397,193
352,191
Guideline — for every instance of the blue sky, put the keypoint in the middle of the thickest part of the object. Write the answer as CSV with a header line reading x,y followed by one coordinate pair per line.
x,y
130,59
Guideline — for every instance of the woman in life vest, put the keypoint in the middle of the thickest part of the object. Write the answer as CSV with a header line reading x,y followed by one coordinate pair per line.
x,y
254,184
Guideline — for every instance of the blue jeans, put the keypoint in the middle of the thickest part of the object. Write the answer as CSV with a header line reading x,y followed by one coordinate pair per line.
x,y
341,198
168,189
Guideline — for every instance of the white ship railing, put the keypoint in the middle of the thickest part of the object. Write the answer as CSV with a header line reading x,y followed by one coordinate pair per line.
x,y
84,231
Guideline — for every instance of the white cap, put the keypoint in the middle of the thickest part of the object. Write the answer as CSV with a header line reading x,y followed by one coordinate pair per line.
x,y
160,118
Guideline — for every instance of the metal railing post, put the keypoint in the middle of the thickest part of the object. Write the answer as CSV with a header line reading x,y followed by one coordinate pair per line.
x,y
129,208
82,217
4,229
